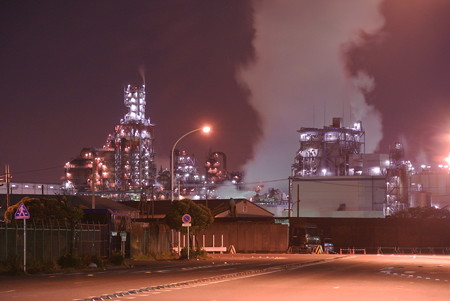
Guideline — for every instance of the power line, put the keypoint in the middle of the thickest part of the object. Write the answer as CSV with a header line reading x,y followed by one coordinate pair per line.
x,y
37,170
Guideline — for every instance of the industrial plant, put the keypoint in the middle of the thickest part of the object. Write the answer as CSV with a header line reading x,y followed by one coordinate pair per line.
x,y
126,162
331,174
124,168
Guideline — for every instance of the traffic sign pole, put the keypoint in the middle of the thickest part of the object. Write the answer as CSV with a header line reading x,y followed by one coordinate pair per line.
x,y
24,244
186,219
22,213
188,242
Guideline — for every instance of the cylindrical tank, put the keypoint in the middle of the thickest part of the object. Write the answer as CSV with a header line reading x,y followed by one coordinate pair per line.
x,y
420,199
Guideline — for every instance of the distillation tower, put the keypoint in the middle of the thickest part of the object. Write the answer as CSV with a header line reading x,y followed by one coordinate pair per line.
x,y
397,180
125,162
133,144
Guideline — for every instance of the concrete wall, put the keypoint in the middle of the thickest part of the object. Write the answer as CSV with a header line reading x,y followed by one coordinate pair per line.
x,y
372,233
248,237
355,196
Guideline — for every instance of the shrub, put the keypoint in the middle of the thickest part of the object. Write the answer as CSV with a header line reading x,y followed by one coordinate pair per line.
x,y
94,259
193,253
34,266
70,260
12,266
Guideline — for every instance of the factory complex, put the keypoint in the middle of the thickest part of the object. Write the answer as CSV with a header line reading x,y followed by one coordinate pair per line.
x,y
331,175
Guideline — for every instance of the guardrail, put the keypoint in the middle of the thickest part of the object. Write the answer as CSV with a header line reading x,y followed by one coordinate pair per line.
x,y
413,250
182,243
352,251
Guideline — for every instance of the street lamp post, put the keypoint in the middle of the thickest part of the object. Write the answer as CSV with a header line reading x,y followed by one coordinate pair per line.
x,y
205,129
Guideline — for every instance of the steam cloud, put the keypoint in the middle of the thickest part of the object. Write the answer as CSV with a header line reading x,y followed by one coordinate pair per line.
x,y
408,59
299,79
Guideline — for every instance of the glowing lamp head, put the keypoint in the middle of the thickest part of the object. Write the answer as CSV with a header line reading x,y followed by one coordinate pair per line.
x,y
206,129
447,160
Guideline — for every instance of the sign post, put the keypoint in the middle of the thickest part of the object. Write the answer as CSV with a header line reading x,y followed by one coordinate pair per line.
x,y
22,213
186,219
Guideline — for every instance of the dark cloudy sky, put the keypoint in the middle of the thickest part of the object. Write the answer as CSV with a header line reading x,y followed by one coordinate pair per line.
x,y
409,60
257,71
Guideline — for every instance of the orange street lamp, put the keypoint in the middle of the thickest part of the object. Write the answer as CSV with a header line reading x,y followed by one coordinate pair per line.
x,y
205,129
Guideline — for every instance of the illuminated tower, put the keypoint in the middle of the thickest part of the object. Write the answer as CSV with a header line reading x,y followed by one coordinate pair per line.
x,y
216,167
187,178
327,151
397,180
133,143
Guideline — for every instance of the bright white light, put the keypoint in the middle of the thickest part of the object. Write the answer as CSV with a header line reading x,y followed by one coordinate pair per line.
x,y
447,159
324,171
376,171
206,129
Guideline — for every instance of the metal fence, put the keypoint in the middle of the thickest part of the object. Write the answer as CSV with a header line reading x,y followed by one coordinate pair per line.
x,y
49,240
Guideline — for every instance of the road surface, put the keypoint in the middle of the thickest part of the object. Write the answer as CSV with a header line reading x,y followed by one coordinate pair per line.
x,y
249,277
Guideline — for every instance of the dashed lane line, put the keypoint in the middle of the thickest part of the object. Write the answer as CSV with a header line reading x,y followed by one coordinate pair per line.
x,y
206,281
408,274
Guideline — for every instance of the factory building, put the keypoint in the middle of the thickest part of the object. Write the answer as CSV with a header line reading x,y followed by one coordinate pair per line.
x,y
338,196
332,176
431,187
188,182
328,151
125,162
31,188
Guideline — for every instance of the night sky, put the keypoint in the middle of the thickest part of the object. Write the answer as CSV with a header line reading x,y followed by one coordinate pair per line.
x,y
256,71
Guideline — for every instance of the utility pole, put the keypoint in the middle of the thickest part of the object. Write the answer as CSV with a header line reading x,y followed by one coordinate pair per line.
x,y
93,181
8,181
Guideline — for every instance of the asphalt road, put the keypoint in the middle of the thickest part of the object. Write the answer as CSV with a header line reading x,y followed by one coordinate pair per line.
x,y
249,277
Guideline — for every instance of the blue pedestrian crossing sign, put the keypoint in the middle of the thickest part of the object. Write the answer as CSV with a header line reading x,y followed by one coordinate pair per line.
x,y
22,212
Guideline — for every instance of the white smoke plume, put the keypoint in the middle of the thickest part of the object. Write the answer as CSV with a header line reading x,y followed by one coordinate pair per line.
x,y
364,112
228,190
298,78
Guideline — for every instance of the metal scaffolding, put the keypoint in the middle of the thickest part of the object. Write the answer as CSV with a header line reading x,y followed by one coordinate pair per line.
x,y
133,144
326,152
397,180
126,161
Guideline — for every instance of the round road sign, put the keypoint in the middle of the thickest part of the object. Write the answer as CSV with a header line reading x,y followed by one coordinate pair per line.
x,y
186,218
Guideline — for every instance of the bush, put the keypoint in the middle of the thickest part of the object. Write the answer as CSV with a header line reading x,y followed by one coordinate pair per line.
x,y
197,253
12,266
70,260
94,259
34,266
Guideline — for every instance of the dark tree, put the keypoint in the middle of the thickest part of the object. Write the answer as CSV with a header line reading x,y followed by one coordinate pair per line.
x,y
418,212
201,215
57,208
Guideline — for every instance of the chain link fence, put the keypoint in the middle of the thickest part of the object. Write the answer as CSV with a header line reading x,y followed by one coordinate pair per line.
x,y
49,240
